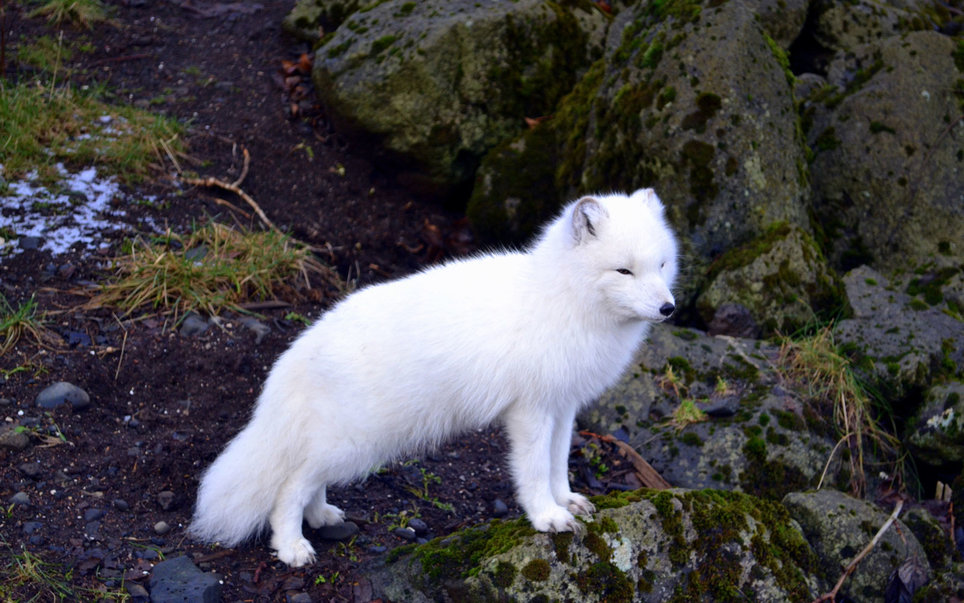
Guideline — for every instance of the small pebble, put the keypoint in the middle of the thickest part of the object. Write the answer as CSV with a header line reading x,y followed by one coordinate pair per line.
x,y
93,514
161,527
404,533
61,393
167,500
419,526
339,531
20,498
499,508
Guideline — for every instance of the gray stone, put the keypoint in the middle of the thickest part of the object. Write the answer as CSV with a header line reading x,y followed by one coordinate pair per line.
x,y
886,181
61,393
194,325
257,327
161,528
779,279
937,433
440,82
645,546
180,581
13,437
339,531
838,527
20,499
757,436
899,340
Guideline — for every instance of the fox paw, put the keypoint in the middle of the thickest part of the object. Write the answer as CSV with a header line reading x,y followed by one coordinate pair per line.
x,y
554,519
297,553
323,515
579,504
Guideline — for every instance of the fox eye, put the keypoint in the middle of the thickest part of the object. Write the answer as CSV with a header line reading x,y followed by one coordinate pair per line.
x,y
624,271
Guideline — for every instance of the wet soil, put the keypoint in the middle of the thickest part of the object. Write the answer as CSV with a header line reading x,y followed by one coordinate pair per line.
x,y
163,404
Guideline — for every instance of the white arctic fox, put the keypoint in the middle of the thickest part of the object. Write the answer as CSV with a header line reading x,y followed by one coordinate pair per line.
x,y
527,338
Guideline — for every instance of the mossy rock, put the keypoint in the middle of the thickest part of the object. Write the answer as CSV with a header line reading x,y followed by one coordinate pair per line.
x,y
641,546
781,278
727,163
438,83
308,19
762,435
838,527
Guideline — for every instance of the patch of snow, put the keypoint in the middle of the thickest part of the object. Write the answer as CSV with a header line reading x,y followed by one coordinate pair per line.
x,y
78,210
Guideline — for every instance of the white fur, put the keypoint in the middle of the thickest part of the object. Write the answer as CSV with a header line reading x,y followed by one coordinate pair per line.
x,y
527,338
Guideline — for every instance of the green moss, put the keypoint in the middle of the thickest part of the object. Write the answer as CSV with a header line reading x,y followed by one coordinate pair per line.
x,y
561,542
504,574
536,570
459,556
382,43
615,500
827,140
708,105
697,155
605,581
597,545
877,127
691,439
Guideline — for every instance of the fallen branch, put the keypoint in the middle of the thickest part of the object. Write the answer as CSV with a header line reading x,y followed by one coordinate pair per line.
x,y
235,188
648,476
832,595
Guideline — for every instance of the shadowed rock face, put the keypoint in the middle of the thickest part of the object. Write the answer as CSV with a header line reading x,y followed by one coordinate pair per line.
x,y
439,83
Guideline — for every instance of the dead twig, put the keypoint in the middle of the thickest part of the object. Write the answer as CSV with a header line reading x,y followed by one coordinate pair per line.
x,y
832,595
235,188
648,476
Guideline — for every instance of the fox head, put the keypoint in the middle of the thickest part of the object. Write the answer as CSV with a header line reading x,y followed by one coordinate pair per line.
x,y
628,252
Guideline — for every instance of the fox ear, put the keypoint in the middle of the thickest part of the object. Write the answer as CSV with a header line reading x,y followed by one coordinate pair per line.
x,y
648,197
586,215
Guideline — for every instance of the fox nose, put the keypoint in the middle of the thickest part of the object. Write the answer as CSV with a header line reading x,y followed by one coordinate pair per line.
x,y
667,309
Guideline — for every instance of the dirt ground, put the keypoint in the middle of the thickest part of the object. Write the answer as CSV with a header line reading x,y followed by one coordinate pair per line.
x,y
164,404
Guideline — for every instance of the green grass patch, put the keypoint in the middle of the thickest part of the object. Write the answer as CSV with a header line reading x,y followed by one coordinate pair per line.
x,y
27,577
46,121
22,322
816,363
209,270
81,13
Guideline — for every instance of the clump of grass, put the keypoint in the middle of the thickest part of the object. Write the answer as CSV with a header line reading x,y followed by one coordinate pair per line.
x,y
46,121
209,270
27,573
84,13
28,577
816,363
687,413
23,322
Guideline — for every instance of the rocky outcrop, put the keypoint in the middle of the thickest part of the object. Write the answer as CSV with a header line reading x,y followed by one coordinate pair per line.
x,y
888,171
668,107
643,546
778,282
439,83
752,432
838,527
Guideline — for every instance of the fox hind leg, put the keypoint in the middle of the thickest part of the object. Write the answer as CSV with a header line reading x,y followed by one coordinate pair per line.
x,y
285,519
319,513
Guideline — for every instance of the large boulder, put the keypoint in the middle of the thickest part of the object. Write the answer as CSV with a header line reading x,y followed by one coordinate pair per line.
x,y
694,101
780,280
905,333
440,82
757,434
888,169
838,527
641,546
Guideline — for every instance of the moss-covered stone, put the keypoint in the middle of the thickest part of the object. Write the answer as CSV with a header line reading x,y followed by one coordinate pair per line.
x,y
712,540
